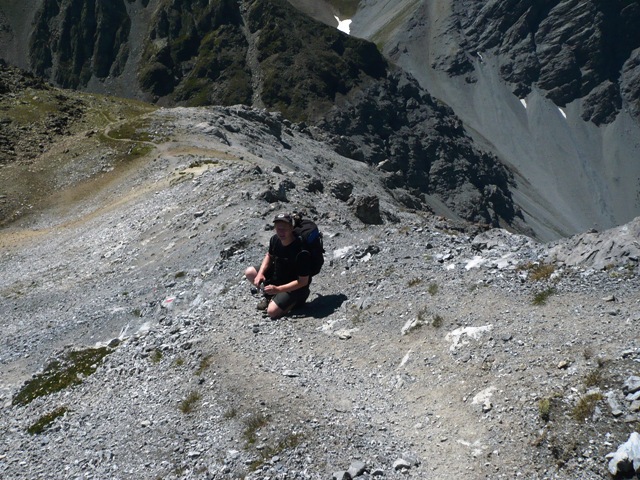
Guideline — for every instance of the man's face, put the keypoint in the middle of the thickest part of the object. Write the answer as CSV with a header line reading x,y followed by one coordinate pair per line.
x,y
284,230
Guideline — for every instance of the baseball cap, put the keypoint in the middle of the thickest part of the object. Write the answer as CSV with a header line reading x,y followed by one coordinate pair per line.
x,y
283,217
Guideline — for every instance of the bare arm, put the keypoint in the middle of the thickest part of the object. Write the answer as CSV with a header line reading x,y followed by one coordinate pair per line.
x,y
263,268
287,287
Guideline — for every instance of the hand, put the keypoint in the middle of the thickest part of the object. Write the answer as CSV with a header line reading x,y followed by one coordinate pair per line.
x,y
258,280
271,289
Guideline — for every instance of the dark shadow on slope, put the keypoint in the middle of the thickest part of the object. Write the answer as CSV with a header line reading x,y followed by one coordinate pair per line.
x,y
320,307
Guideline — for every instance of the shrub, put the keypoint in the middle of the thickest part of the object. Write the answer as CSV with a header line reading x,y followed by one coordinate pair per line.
x,y
254,423
205,362
290,441
188,405
538,271
178,362
156,355
544,409
231,413
437,321
586,406
593,378
433,288
541,297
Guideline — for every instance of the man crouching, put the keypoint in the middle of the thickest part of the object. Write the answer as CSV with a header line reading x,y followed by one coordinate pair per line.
x,y
284,272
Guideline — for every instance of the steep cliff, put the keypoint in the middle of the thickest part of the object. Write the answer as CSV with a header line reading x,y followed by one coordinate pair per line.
x,y
77,39
550,87
570,49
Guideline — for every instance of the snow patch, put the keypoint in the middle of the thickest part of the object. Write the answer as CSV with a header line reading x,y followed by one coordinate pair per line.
x,y
523,101
562,112
344,25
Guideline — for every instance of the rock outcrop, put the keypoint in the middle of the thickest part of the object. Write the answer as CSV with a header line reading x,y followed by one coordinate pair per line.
x,y
570,49
73,41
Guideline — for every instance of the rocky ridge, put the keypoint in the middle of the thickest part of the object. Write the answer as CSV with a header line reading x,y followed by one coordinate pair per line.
x,y
429,348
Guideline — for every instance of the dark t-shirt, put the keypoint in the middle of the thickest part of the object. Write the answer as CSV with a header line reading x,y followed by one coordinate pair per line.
x,y
288,263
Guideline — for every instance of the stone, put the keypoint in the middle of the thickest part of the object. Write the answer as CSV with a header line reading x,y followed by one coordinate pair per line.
x,y
412,458
631,384
315,186
341,190
343,334
401,464
367,209
356,468
341,475
626,459
616,408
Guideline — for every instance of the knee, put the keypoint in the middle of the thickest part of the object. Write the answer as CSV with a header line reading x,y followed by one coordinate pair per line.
x,y
250,273
273,310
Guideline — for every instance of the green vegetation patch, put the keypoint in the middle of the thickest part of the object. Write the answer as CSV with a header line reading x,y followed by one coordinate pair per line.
x,y
586,406
135,130
156,355
61,374
32,106
46,420
540,298
205,363
538,271
544,409
252,424
289,442
438,321
188,405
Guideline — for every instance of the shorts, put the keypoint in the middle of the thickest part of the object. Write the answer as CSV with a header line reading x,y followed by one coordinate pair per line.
x,y
289,300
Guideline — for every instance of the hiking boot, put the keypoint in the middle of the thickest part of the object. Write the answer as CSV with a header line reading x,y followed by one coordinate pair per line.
x,y
263,304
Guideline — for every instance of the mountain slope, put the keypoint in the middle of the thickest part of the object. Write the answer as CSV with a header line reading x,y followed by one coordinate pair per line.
x,y
426,350
571,163
268,54
502,65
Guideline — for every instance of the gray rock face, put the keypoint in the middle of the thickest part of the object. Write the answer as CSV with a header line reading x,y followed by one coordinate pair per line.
x,y
367,209
425,150
618,246
73,41
486,60
570,49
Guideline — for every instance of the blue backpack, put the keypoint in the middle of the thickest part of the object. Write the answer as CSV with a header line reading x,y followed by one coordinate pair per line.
x,y
311,238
